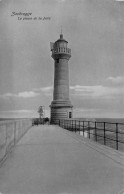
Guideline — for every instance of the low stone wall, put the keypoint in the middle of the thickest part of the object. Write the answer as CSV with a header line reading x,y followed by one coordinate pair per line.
x,y
10,133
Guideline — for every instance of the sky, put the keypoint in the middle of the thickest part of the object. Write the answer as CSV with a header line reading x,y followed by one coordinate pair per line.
x,y
94,30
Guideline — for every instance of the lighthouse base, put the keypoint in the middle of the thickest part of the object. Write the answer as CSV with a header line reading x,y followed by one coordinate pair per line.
x,y
60,110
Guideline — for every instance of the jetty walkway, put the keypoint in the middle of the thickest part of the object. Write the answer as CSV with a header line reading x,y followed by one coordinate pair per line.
x,y
52,160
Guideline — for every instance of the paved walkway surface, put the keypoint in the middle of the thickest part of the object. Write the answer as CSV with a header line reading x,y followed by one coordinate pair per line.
x,y
50,160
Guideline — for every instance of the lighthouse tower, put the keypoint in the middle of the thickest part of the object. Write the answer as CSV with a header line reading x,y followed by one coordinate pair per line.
x,y
61,107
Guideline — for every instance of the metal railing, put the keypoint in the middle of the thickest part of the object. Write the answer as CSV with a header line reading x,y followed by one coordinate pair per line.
x,y
61,50
107,133
11,132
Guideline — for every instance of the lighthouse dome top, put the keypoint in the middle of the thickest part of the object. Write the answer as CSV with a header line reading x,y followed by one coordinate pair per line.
x,y
60,47
61,39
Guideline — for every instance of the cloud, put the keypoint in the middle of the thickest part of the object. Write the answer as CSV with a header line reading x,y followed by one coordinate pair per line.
x,y
120,0
17,111
86,89
26,94
119,80
9,95
43,89
61,1
47,91
29,94
97,91
49,88
111,88
91,91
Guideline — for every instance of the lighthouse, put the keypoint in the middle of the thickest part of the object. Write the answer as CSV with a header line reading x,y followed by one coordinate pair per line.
x,y
61,107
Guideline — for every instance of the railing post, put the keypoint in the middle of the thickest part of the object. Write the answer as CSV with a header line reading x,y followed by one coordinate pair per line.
x,y
104,135
83,128
75,126
6,137
72,126
15,133
79,127
95,132
89,128
117,136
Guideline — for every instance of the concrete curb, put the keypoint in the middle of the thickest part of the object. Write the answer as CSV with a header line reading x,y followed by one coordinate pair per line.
x,y
115,155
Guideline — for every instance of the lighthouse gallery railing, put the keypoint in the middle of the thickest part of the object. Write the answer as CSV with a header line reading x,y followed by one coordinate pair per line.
x,y
61,50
